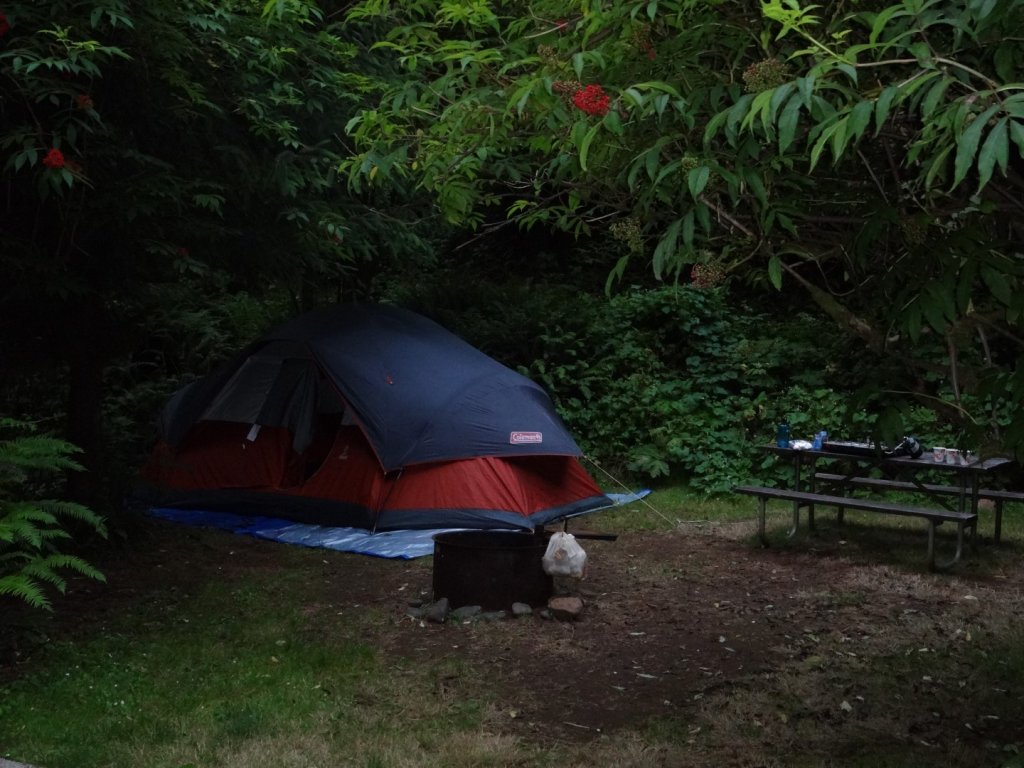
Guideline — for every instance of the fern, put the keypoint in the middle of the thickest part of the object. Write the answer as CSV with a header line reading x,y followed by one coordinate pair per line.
x,y
22,587
30,529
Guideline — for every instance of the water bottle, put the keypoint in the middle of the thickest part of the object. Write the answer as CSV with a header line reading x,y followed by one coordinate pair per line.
x,y
782,435
817,441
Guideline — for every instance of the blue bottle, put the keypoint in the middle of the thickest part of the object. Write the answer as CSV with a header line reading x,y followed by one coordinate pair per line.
x,y
782,435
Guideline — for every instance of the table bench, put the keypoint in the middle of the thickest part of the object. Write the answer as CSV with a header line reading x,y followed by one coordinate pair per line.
x,y
880,483
935,517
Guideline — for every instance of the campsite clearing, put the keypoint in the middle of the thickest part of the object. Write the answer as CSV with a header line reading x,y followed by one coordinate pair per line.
x,y
696,647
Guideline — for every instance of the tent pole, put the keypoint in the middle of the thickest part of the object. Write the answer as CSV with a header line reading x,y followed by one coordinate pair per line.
x,y
384,501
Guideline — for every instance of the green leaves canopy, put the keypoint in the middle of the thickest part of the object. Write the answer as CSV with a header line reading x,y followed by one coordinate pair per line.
x,y
868,154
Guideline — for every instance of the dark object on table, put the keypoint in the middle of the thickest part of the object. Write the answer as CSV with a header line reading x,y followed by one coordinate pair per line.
x,y
851,447
908,446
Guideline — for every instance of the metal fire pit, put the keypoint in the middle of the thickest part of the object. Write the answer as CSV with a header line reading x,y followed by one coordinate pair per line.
x,y
492,569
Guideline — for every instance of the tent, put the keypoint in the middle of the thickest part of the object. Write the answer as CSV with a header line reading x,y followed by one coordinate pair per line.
x,y
374,417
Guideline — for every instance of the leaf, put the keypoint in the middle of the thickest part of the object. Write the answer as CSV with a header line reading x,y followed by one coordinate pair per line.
x,y
753,179
788,121
737,112
860,115
995,150
822,142
666,248
806,88
1017,134
714,124
882,106
883,18
997,283
965,284
840,137
703,214
613,122
759,107
616,273
1003,61
658,85
967,145
986,7
775,272
688,227
634,95
938,166
585,145
934,95
938,305
24,589
697,180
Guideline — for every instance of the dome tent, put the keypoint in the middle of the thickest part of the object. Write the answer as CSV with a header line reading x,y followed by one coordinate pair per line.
x,y
375,417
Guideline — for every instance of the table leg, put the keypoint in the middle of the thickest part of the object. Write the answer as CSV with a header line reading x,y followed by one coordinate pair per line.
x,y
797,466
975,492
931,545
761,502
796,520
814,489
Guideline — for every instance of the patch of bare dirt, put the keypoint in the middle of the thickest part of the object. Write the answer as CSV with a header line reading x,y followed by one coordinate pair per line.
x,y
750,648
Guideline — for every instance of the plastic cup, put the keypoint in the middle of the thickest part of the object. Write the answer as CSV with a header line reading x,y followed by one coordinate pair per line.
x,y
939,454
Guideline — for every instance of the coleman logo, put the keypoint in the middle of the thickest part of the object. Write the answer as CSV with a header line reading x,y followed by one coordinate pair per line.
x,y
522,438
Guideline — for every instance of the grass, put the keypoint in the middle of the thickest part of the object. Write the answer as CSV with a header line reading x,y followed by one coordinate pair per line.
x,y
667,509
229,678
239,672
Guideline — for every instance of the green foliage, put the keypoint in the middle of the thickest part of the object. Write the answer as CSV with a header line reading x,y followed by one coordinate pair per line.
x,y
663,383
30,531
161,160
867,155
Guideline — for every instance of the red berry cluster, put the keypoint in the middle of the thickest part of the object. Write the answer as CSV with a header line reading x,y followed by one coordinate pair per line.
x,y
5,25
54,159
592,100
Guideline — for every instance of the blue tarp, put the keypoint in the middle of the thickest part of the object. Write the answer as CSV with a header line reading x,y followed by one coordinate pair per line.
x,y
404,545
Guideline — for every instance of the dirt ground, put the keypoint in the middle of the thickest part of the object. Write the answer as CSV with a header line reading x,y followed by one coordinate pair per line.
x,y
815,647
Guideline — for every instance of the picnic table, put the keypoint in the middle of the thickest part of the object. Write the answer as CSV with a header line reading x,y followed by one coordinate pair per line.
x,y
850,465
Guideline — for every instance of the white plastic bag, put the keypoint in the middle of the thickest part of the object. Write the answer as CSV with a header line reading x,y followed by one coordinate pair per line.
x,y
564,556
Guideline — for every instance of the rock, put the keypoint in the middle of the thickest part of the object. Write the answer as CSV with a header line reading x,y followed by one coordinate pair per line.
x,y
465,612
417,612
565,608
521,609
438,611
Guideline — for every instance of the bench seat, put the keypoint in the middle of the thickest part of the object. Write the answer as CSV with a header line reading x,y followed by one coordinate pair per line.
x,y
935,517
881,483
